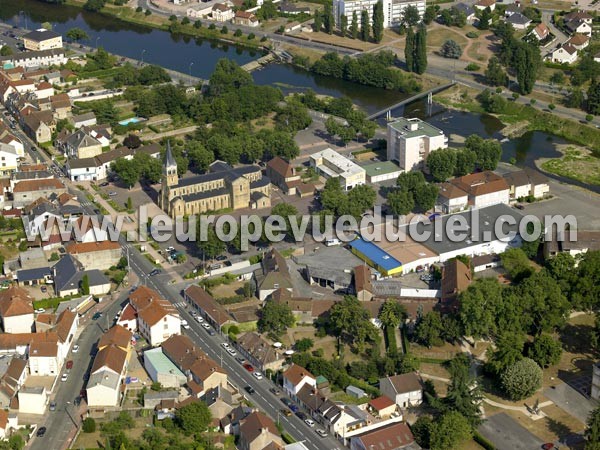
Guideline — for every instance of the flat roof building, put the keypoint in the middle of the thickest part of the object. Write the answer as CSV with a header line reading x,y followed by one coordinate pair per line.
x,y
410,141
331,164
382,171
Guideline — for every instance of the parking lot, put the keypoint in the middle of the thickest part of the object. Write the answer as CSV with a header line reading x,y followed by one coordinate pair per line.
x,y
507,434
569,397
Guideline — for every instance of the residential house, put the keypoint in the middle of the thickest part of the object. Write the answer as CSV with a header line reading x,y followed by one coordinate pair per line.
x,y
287,7
128,318
258,432
513,8
274,274
15,374
9,159
33,400
579,26
158,319
42,39
518,21
295,378
16,310
483,4
162,370
456,277
452,199
525,183
39,126
116,336
363,287
392,437
565,54
96,255
283,175
245,18
79,144
44,359
152,399
579,41
205,305
484,262
222,13
575,243
332,164
382,407
27,191
68,274
54,57
8,422
483,188
467,10
579,15
259,352
59,104
540,32
43,90
84,120
406,389
6,137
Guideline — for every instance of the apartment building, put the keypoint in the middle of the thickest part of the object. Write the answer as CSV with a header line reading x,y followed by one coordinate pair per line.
x,y
42,39
410,141
392,10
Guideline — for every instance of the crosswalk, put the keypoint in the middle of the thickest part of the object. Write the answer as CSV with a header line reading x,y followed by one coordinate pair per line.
x,y
180,304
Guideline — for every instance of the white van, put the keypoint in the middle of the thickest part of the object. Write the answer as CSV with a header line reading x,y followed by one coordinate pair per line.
x,y
332,242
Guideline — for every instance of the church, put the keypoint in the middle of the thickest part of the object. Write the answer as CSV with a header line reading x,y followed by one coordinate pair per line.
x,y
223,187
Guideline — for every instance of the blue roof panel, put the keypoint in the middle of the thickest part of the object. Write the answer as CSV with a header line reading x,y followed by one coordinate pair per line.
x,y
375,254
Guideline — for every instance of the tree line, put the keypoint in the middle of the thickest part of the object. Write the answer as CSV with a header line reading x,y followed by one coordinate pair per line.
x,y
415,49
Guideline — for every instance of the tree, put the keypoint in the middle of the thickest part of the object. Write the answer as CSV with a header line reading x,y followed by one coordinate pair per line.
x,y
287,211
488,151
464,394
392,314
132,141
224,30
85,285
442,164
593,98
478,307
421,50
425,196
494,74
248,289
193,418
365,25
526,62
429,329
127,170
545,350
574,99
212,246
89,425
77,34
516,263
592,432
200,157
318,20
421,430
522,379
484,19
451,431
409,49
451,49
378,20
94,5
344,25
304,344
509,350
5,50
275,318
354,26
465,162
400,202
430,14
328,20
586,291
410,16
349,320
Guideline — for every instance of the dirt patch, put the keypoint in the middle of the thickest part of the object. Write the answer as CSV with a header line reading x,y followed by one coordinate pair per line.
x,y
439,35
228,290
577,163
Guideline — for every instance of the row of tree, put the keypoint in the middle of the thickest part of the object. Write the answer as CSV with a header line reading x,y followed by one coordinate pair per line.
x,y
413,192
415,49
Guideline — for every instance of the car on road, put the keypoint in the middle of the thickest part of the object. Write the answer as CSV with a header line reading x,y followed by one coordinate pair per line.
x,y
300,415
221,258
294,408
548,446
199,319
184,322
69,365
41,431
250,390
321,432
154,272
225,345
112,193
106,183
206,326
240,360
258,375
64,377
44,289
211,332
286,401
231,351
285,412
275,391
40,310
249,367
185,326
97,316
519,206
52,406
75,348
309,422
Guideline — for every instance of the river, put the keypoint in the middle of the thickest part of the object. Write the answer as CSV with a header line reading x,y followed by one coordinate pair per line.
x,y
177,52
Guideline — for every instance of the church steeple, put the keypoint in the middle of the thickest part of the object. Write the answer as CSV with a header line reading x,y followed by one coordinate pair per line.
x,y
170,177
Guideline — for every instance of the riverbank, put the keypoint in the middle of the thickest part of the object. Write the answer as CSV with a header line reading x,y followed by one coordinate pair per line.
x,y
520,118
577,163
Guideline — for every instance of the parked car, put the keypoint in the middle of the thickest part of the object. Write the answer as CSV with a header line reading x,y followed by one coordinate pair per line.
x,y
275,391
211,332
285,412
64,377
294,408
309,422
106,183
249,367
97,316
321,432
69,365
154,272
185,326
199,319
41,431
75,348
44,289
301,415
231,351
221,258
258,375
52,406
40,310
112,193
250,390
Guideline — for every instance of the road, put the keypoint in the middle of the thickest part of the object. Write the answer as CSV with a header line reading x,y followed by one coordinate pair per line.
x,y
60,423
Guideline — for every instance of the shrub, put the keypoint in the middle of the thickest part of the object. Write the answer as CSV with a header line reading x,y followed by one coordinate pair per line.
x,y
515,95
551,106
212,26
173,18
89,425
472,35
451,49
237,33
472,67
532,101
251,36
522,379
148,12
197,24
263,39
498,90
139,9
589,117
224,30
185,21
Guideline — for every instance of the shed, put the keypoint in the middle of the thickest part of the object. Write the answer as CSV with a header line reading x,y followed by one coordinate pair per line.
x,y
355,392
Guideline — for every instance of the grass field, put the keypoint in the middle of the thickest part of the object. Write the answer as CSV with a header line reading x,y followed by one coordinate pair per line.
x,y
576,163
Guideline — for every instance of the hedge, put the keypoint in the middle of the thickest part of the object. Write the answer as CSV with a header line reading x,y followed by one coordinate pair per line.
x,y
486,444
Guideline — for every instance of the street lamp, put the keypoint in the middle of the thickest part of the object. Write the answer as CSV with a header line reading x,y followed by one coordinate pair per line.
x,y
143,51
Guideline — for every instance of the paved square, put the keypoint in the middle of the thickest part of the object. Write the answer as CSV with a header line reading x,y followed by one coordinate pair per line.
x,y
507,434
571,400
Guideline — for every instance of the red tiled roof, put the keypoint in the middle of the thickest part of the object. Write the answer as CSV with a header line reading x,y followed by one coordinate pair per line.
x,y
380,403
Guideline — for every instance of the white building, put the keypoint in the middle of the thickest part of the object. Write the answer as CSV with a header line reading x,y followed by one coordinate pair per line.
x,y
405,390
483,188
157,319
42,39
36,58
295,378
33,400
392,10
567,54
331,164
410,141
452,199
9,159
43,359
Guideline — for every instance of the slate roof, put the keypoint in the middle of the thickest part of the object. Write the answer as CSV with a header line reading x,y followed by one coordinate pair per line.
x,y
41,35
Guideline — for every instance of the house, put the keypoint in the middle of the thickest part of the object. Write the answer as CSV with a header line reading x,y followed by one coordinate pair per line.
x,y
116,336
96,255
410,141
456,277
574,243
33,400
483,4
68,274
9,159
203,303
15,374
392,437
540,32
8,422
518,21
484,262
158,319
6,137
245,18
293,9
258,432
579,26
222,13
39,126
382,407
59,105
362,283
579,15
44,358
295,378
525,183
406,389
79,144
42,39
274,274
84,120
579,41
162,370
467,10
128,318
332,164
513,9
283,175
452,199
566,54
483,188
44,90
28,191
259,352
382,171
152,399
16,310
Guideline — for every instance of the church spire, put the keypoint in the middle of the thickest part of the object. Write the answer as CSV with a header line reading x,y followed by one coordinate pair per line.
x,y
169,160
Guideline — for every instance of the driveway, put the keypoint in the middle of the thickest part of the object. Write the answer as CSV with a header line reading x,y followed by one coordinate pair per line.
x,y
571,400
507,434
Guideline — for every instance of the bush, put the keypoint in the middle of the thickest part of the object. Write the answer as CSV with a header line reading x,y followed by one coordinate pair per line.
x,y
522,379
89,425
251,36
263,39
589,117
148,12
197,24
515,95
551,106
472,67
237,33
472,35
532,101
173,18
487,445
212,26
139,9
498,90
451,49
224,30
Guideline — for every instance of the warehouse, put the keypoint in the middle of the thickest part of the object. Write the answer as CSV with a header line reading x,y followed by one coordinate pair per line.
x,y
376,257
